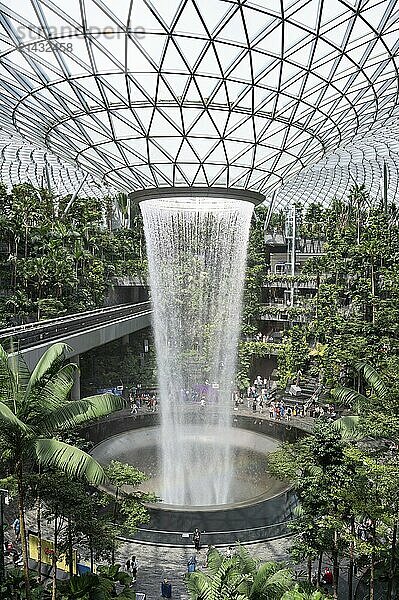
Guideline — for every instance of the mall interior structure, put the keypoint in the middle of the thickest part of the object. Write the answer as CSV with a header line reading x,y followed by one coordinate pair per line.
x,y
199,299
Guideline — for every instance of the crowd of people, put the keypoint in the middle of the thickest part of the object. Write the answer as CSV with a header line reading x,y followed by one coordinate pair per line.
x,y
260,397
143,400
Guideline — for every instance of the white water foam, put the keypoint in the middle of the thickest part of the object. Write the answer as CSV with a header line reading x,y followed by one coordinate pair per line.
x,y
196,251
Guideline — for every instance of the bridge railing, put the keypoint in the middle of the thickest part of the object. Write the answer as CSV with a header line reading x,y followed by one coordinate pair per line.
x,y
32,334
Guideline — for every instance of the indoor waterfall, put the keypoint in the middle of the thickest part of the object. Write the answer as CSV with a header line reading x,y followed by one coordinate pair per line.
x,y
196,249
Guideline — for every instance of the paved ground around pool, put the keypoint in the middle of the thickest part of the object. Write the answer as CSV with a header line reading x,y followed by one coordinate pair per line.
x,y
158,563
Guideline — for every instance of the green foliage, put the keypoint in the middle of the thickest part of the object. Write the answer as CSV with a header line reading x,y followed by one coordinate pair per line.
x,y
120,474
98,586
357,303
241,577
14,587
54,262
355,313
129,509
374,412
114,364
34,409
255,273
341,482
294,354
247,351
297,594
37,405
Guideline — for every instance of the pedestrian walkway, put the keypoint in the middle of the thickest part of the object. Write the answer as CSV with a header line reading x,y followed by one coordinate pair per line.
x,y
157,563
305,423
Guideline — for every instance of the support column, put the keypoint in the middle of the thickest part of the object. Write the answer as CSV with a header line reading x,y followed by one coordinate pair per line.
x,y
293,253
385,187
75,392
125,340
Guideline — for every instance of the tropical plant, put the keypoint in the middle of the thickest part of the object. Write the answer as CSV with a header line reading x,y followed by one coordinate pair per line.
x,y
374,405
34,409
99,586
58,256
13,588
238,578
354,398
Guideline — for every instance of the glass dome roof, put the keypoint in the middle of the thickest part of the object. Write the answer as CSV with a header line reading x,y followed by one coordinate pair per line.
x,y
23,162
208,93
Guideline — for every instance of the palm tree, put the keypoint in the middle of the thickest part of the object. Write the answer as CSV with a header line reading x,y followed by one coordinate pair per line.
x,y
349,425
34,408
356,399
350,428
239,578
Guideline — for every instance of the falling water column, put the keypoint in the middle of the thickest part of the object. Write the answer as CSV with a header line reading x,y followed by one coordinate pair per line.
x,y
196,251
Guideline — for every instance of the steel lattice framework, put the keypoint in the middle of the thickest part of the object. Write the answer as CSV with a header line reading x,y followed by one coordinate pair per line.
x,y
207,92
361,161
23,162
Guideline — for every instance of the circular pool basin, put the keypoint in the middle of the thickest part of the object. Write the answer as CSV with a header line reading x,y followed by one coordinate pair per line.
x,y
258,505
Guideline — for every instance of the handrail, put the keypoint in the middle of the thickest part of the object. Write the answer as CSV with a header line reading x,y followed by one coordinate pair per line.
x,y
32,334
70,317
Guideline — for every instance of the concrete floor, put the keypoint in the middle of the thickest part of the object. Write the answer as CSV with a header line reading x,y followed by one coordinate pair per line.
x,y
158,563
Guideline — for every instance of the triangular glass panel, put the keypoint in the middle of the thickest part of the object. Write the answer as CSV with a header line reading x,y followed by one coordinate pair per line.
x,y
245,131
203,146
213,13
192,93
306,15
166,11
191,48
190,170
337,33
158,151
272,40
302,55
209,64
220,179
142,16
233,29
167,171
125,126
172,58
171,144
212,171
145,84
227,54
254,22
217,155
274,140
245,158
161,126
189,21
152,45
186,153
200,178
204,127
177,82
243,69
271,79
136,61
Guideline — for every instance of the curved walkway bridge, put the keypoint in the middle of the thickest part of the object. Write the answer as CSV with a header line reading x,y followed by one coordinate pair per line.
x,y
82,331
